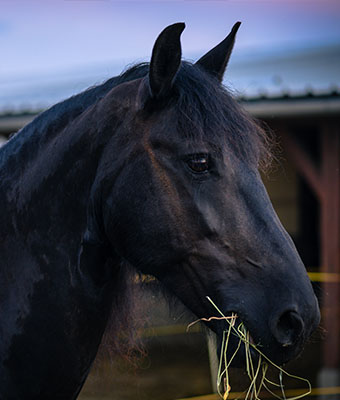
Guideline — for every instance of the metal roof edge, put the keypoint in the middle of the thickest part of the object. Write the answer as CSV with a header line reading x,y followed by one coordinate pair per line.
x,y
293,107
259,108
11,123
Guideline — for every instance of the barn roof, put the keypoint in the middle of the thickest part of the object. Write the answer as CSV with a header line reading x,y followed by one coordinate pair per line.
x,y
287,73
289,82
270,83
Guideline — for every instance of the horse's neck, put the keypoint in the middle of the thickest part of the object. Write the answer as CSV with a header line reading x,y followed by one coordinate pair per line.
x,y
48,191
47,161
47,181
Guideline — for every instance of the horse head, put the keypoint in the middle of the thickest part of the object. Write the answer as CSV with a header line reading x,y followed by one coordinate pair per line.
x,y
181,198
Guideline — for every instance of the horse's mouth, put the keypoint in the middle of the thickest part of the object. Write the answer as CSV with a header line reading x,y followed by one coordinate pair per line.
x,y
248,345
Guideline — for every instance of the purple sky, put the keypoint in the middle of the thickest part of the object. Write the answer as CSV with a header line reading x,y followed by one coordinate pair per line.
x,y
48,35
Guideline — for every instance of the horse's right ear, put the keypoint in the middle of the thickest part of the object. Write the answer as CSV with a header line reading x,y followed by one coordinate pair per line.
x,y
216,60
165,60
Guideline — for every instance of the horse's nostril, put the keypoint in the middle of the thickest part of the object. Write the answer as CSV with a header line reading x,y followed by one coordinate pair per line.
x,y
288,328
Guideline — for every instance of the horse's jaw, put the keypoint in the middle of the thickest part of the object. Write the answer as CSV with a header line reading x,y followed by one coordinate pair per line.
x,y
276,330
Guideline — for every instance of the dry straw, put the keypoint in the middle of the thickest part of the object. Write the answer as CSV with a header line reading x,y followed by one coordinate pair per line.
x,y
256,371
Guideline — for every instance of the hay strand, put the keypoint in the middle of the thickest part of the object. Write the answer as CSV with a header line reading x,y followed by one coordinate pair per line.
x,y
255,372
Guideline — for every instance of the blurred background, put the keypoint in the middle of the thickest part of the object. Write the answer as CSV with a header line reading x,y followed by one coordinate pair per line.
x,y
285,70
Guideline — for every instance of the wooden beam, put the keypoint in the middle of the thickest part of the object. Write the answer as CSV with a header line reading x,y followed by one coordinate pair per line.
x,y
304,164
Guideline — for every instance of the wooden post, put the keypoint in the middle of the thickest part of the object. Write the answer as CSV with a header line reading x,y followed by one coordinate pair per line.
x,y
213,360
330,242
325,182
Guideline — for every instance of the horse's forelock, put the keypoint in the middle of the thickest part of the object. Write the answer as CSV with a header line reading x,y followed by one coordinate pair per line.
x,y
209,112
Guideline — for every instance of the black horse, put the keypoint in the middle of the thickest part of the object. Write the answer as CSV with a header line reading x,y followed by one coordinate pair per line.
x,y
157,168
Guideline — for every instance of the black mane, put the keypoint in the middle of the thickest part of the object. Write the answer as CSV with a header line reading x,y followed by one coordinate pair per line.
x,y
204,106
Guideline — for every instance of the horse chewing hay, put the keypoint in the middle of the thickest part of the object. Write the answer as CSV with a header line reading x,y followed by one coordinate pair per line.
x,y
155,171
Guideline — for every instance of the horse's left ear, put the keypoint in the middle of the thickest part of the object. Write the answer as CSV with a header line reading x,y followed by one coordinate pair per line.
x,y
165,60
216,60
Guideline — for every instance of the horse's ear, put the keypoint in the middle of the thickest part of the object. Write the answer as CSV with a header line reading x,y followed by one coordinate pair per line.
x,y
165,60
216,60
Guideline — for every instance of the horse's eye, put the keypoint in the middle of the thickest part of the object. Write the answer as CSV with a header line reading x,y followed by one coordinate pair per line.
x,y
198,163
